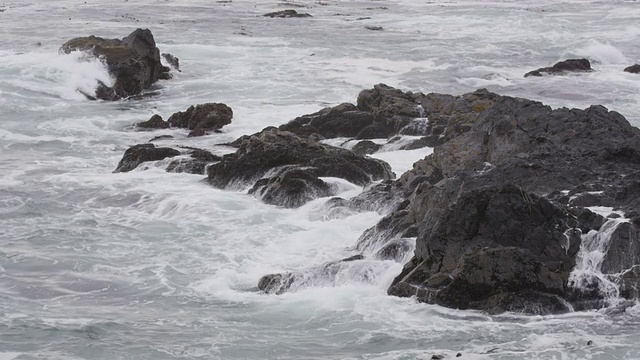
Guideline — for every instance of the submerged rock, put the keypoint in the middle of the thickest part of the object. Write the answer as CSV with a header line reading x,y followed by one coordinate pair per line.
x,y
291,167
287,14
563,67
134,62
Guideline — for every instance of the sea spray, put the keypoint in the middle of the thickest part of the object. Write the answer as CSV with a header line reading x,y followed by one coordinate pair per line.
x,y
587,274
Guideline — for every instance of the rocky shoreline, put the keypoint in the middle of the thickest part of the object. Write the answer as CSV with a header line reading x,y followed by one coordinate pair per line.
x,y
502,212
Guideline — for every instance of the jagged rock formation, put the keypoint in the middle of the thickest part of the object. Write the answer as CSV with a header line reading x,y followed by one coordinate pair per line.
x,y
563,67
286,170
134,62
200,119
498,210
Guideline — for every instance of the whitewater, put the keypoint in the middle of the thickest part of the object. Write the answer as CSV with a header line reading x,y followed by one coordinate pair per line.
x,y
156,265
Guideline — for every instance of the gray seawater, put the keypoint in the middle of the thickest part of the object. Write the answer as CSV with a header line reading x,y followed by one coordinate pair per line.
x,y
150,265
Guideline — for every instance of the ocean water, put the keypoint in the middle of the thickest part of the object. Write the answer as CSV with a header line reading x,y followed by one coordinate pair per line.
x,y
151,265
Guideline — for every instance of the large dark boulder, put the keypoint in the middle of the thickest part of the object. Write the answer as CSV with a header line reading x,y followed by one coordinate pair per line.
x,y
391,108
140,153
510,187
563,67
291,187
155,122
344,120
134,62
634,69
202,118
291,166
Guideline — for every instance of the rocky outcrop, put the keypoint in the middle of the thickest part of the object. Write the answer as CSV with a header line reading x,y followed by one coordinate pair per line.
x,y
287,169
155,122
634,69
134,62
200,119
287,14
383,112
496,229
280,283
187,159
563,67
172,60
344,120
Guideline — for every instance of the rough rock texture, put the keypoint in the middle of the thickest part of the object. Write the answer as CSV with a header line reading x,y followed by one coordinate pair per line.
x,y
634,69
202,118
134,62
344,120
140,153
563,67
366,147
172,60
493,195
291,187
195,161
385,111
391,108
292,165
286,14
155,122
189,160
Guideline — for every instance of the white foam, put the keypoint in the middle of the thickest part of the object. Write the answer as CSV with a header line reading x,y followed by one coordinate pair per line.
x,y
67,76
601,53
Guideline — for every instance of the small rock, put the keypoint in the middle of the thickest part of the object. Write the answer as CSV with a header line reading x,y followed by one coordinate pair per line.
x,y
155,122
634,69
287,14
571,65
172,60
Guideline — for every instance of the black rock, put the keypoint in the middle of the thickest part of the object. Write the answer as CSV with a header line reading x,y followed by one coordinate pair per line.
x,y
202,118
563,67
344,120
140,153
155,122
134,62
634,69
365,147
274,149
287,14
492,195
172,60
195,162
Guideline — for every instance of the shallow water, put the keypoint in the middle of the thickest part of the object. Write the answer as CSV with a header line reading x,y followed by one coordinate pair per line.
x,y
151,265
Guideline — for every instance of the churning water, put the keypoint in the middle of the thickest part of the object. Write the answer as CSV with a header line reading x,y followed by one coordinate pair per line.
x,y
151,265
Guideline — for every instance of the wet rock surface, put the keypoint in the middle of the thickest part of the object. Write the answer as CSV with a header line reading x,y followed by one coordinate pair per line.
x,y
186,159
286,168
496,228
201,119
133,61
287,14
634,69
563,67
